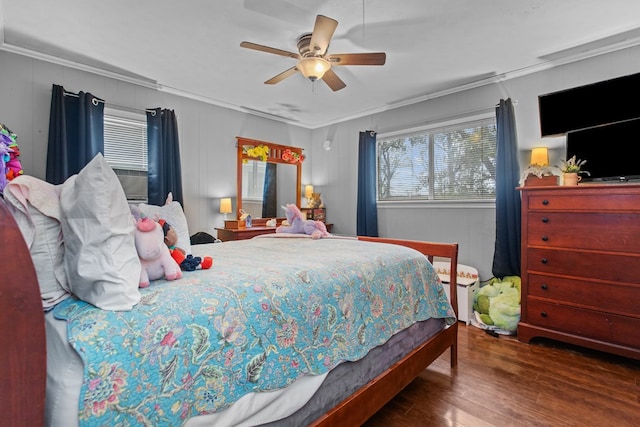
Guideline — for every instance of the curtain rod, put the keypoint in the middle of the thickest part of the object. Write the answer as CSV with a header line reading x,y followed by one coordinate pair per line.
x,y
95,101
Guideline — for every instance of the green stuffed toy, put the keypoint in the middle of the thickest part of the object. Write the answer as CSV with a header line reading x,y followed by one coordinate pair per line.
x,y
497,304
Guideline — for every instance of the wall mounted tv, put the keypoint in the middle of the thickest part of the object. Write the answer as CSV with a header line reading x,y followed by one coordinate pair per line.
x,y
591,105
609,151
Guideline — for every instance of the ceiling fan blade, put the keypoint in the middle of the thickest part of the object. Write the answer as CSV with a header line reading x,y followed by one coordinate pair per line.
x,y
373,58
283,75
333,81
268,49
322,33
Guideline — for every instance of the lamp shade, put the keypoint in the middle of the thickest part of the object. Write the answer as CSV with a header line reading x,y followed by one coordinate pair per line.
x,y
313,68
308,190
540,156
225,205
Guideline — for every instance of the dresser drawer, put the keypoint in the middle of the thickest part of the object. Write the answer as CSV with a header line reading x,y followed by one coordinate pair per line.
x,y
611,297
585,202
609,231
584,323
604,266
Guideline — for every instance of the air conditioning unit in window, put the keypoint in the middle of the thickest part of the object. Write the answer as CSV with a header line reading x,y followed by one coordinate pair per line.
x,y
134,185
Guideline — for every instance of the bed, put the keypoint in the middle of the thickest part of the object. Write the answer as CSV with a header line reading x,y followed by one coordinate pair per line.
x,y
341,374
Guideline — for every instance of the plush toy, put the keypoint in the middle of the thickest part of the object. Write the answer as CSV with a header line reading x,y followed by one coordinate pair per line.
x,y
186,262
154,255
297,224
497,304
191,263
170,239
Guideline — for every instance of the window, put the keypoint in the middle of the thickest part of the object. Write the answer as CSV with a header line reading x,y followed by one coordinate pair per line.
x,y
452,162
125,149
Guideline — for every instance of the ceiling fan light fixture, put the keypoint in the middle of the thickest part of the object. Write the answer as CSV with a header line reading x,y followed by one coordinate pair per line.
x,y
313,68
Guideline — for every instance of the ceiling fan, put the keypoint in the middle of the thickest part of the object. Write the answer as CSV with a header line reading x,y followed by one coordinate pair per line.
x,y
314,62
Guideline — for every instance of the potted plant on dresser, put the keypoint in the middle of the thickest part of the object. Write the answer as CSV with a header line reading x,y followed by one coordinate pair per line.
x,y
571,170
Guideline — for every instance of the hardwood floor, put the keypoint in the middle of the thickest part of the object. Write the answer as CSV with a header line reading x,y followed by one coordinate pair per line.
x,y
503,382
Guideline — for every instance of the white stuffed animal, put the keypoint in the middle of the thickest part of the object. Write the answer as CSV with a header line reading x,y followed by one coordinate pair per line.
x,y
155,258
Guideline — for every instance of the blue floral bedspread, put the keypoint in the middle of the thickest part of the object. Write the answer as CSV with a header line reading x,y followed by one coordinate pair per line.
x,y
269,311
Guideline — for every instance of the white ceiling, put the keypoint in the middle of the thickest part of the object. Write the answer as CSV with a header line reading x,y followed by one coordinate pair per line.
x,y
192,48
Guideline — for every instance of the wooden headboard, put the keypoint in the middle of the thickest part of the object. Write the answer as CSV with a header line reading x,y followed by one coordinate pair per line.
x,y
23,352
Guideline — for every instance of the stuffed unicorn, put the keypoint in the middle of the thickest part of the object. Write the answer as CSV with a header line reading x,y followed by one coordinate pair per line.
x,y
154,255
299,225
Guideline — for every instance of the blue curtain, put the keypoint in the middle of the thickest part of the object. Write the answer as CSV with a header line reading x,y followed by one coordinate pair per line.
x,y
506,257
270,191
367,209
165,175
76,133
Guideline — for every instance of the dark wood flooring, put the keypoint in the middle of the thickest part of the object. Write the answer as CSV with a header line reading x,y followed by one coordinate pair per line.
x,y
503,382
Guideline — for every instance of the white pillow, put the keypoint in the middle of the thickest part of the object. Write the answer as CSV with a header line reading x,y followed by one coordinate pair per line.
x,y
36,209
172,213
100,256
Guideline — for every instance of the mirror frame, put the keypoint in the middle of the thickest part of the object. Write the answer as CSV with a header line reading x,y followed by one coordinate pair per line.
x,y
274,156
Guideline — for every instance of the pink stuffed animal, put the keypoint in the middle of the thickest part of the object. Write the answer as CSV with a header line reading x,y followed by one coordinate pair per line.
x,y
299,225
154,255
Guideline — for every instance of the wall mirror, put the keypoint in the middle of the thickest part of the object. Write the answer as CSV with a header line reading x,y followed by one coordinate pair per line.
x,y
268,177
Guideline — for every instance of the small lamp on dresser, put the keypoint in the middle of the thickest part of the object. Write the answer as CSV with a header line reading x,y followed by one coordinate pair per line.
x,y
225,207
538,173
308,192
540,156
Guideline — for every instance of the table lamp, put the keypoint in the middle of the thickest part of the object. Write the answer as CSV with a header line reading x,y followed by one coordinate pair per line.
x,y
225,206
308,191
540,156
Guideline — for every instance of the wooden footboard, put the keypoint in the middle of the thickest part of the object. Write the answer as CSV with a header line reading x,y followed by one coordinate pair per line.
x,y
23,348
359,407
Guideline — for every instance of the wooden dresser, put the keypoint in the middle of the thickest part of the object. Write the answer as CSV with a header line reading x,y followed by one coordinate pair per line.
x,y
581,266
227,234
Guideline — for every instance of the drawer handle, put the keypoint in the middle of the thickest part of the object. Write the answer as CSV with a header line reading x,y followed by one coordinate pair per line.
x,y
545,238
544,260
545,202
544,286
545,219
543,314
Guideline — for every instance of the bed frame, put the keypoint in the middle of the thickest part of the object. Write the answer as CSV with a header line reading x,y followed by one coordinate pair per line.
x,y
23,352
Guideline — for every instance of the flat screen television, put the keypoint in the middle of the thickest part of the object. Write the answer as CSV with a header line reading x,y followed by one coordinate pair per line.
x,y
596,104
609,151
